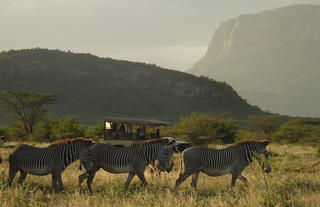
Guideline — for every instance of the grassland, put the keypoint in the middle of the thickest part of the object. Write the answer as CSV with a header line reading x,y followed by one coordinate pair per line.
x,y
293,182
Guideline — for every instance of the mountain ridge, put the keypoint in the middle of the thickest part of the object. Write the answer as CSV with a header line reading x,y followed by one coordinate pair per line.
x,y
93,87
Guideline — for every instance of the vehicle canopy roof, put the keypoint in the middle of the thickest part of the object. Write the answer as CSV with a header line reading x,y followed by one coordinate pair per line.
x,y
135,121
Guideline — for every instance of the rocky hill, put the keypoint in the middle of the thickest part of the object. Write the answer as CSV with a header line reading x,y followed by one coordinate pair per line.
x,y
92,88
271,58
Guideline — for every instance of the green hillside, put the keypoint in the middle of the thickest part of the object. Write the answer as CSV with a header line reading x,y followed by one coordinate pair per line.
x,y
92,88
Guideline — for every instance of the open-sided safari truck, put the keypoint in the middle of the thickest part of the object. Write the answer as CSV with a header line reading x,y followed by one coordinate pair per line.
x,y
124,132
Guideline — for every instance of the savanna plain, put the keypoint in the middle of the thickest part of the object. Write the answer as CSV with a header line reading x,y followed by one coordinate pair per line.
x,y
292,182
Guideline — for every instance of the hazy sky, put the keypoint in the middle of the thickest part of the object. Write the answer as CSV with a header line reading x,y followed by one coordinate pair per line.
x,y
170,33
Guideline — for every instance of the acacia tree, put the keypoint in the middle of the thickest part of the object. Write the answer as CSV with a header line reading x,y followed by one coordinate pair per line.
x,y
267,123
26,107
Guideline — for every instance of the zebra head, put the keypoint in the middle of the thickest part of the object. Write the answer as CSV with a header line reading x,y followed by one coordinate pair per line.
x,y
85,153
262,150
165,155
165,158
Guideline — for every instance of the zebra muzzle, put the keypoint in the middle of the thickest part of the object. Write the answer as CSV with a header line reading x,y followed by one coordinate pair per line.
x,y
170,169
268,170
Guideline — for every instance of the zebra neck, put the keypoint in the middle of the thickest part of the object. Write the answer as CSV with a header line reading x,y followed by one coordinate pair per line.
x,y
151,152
248,153
69,154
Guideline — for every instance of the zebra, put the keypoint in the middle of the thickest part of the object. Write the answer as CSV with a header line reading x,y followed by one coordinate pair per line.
x,y
1,140
132,160
50,160
217,162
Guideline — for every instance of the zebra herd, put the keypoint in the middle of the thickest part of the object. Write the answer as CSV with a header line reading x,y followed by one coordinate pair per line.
x,y
132,160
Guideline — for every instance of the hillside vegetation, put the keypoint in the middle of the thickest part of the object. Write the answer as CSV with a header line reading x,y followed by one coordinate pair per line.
x,y
92,88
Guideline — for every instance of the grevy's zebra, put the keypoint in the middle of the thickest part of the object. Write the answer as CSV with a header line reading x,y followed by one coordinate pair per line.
x,y
50,160
1,140
132,160
217,162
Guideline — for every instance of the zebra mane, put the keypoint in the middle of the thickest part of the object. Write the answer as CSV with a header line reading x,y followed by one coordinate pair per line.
x,y
156,140
249,142
68,140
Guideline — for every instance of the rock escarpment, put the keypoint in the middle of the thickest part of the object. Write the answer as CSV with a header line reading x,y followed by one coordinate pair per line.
x,y
271,58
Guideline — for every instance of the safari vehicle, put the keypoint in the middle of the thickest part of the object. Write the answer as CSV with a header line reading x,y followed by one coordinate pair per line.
x,y
125,132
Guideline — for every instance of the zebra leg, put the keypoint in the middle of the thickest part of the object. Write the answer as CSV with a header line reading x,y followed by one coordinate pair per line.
x,y
243,179
236,172
59,182
182,177
82,178
142,178
90,180
194,179
129,179
235,175
54,182
12,172
23,176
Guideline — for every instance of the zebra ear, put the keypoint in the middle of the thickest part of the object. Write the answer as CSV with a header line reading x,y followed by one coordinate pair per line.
x,y
165,141
90,142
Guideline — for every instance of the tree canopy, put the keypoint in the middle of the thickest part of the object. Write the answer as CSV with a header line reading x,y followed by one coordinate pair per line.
x,y
267,123
26,107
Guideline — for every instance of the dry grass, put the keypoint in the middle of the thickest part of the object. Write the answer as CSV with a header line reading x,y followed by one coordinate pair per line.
x,y
291,183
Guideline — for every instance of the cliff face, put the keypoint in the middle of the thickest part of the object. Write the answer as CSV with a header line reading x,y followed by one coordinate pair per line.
x,y
271,58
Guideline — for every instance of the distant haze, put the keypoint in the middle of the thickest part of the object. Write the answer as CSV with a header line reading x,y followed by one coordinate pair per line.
x,y
271,58
169,33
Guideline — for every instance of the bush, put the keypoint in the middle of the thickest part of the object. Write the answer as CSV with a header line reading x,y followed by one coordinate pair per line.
x,y
16,132
68,127
267,123
244,135
297,130
204,129
94,132
3,131
43,130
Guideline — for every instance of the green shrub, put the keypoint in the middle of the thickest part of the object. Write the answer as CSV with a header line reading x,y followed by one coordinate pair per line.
x,y
68,127
293,131
204,129
3,131
94,132
43,130
16,132
244,135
